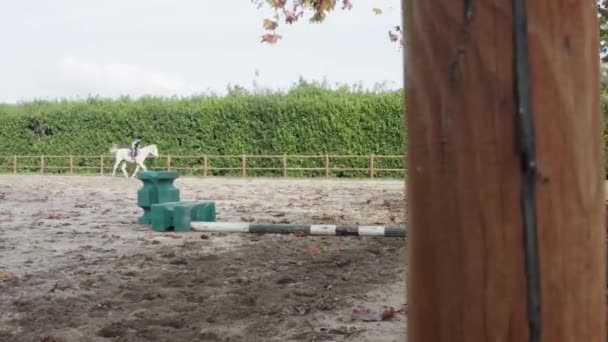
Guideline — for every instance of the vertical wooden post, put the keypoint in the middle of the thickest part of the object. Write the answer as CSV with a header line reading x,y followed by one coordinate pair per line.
x,y
101,167
71,164
243,166
168,162
284,164
467,264
205,165
15,164
371,166
326,165
42,164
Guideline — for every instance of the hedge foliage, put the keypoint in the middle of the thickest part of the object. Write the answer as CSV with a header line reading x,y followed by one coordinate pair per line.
x,y
306,120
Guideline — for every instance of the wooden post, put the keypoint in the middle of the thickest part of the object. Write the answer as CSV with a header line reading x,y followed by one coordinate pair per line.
x,y
42,164
205,165
467,262
101,165
168,162
326,165
71,164
15,164
371,166
243,166
284,164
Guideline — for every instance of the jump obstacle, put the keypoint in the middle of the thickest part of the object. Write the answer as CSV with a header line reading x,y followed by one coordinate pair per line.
x,y
163,210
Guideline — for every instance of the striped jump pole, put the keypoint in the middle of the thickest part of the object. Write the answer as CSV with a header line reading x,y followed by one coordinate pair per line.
x,y
312,229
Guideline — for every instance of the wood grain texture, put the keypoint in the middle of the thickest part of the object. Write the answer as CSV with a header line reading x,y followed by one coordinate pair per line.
x,y
466,277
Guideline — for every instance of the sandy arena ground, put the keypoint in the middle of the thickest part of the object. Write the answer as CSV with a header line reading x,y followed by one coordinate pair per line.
x,y
75,265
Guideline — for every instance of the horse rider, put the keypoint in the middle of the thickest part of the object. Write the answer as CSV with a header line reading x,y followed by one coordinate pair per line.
x,y
135,146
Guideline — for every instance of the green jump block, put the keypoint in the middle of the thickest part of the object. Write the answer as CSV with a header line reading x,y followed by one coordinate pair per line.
x,y
157,188
161,216
177,216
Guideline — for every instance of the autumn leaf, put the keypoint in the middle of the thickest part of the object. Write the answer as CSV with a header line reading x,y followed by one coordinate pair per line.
x,y
291,17
368,315
377,11
277,3
271,38
317,17
325,5
270,25
314,249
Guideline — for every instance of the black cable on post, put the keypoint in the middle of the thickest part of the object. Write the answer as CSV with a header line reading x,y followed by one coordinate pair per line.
x,y
526,140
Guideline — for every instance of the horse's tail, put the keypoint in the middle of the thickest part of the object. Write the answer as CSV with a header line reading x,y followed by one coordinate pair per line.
x,y
114,148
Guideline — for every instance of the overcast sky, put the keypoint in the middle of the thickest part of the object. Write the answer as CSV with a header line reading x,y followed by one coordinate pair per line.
x,y
73,48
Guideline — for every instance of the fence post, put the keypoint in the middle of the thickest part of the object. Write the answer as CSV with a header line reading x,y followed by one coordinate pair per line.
x,y
71,164
168,162
461,219
371,166
101,165
42,164
284,164
327,165
15,164
205,165
243,166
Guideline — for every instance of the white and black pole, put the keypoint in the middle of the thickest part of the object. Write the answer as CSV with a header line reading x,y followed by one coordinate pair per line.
x,y
312,229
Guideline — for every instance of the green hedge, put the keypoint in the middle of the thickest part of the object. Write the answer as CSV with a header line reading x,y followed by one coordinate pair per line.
x,y
308,120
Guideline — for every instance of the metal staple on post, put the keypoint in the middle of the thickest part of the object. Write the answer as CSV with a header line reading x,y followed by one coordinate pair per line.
x,y
527,149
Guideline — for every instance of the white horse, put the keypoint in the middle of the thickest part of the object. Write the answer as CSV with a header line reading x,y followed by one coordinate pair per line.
x,y
123,156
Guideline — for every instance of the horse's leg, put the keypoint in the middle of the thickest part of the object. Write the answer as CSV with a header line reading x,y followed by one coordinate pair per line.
x,y
136,169
124,169
140,164
116,163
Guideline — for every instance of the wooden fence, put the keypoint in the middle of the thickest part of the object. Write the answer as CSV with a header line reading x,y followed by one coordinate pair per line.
x,y
372,166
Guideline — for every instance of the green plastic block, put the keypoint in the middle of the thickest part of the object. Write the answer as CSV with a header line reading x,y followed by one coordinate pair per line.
x,y
157,188
177,216
186,212
161,216
203,211
167,192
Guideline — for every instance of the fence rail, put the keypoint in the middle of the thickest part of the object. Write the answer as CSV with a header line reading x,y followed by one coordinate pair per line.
x,y
283,165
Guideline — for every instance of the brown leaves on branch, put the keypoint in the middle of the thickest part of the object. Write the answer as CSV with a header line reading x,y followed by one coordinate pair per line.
x,y
271,38
290,11
270,25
